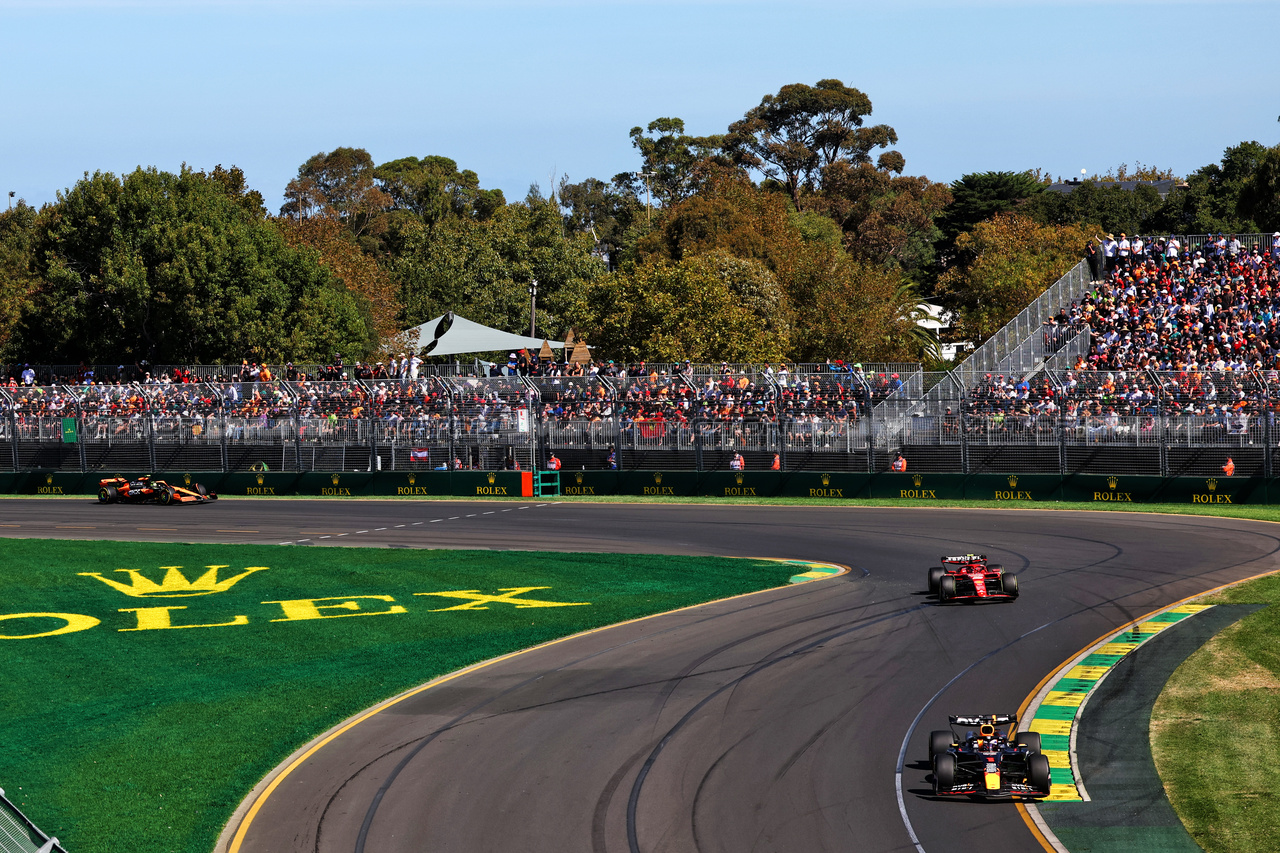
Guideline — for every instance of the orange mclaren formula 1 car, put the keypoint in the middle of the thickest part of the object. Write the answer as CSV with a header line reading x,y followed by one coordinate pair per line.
x,y
146,490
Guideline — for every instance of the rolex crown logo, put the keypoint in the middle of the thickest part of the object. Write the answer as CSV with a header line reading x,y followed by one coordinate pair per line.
x,y
413,478
738,477
175,583
826,479
186,479
261,479
1212,483
334,478
492,478
577,476
48,480
1111,482
657,476
1013,481
917,479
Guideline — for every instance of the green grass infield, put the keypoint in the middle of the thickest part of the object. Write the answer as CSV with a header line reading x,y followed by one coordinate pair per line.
x,y
144,702
1214,733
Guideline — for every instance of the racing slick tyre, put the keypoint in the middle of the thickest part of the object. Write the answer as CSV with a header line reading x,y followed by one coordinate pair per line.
x,y
165,496
946,588
1038,775
201,490
944,772
940,742
108,495
1009,583
935,575
1031,740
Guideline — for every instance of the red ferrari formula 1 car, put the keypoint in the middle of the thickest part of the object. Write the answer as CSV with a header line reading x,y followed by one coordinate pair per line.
x,y
146,490
971,576
988,760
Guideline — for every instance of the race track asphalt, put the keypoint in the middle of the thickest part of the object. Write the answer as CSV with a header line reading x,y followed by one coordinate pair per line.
x,y
772,722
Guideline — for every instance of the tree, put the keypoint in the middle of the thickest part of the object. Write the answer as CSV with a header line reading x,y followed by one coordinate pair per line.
x,y
1114,209
885,218
792,136
981,195
1006,262
670,160
360,274
1260,192
17,283
708,307
604,212
177,268
433,188
340,184
482,269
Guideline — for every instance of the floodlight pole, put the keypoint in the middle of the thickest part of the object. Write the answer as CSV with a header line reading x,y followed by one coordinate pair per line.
x,y
533,308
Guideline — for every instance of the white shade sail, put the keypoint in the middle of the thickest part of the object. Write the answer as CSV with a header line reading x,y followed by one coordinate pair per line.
x,y
460,335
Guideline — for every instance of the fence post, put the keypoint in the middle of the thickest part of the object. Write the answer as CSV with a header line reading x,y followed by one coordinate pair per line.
x,y
1268,428
697,444
1163,436
1062,441
84,459
964,430
151,442
781,444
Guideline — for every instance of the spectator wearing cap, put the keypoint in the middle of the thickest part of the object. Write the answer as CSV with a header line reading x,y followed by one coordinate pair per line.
x,y
1123,250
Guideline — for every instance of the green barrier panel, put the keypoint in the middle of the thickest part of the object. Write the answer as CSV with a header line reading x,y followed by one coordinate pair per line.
x,y
261,484
1212,490
661,483
410,484
342,484
919,486
1118,488
739,484
837,486
9,483
496,484
590,483
1013,487
56,483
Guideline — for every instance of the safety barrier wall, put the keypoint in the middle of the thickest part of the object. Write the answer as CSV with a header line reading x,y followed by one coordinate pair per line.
x,y
923,488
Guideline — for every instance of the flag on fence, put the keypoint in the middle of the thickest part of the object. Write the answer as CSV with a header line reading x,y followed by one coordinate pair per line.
x,y
419,453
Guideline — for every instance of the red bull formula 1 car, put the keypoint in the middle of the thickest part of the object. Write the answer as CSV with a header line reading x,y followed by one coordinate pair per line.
x,y
988,759
146,490
970,576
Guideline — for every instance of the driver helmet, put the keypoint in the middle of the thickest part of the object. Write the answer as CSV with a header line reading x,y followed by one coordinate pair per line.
x,y
987,733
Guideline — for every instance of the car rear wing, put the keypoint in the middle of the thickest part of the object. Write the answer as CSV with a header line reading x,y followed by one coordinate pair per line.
x,y
983,719
965,558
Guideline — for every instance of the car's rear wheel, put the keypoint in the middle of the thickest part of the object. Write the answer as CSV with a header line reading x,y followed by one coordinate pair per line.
x,y
108,495
1009,583
1031,740
946,588
940,742
935,575
1038,774
944,772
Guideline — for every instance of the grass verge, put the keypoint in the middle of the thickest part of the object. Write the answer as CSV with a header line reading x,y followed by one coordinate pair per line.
x,y
1213,731
119,739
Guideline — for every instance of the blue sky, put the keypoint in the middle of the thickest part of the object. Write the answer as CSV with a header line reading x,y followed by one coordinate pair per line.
x,y
522,91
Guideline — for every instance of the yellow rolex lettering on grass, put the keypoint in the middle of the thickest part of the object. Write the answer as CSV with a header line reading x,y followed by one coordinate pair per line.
x,y
71,622
158,619
476,600
174,584
299,609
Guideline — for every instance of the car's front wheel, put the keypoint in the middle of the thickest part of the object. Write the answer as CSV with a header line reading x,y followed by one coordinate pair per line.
x,y
1009,583
944,772
935,575
1038,773
940,742
166,495
201,490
